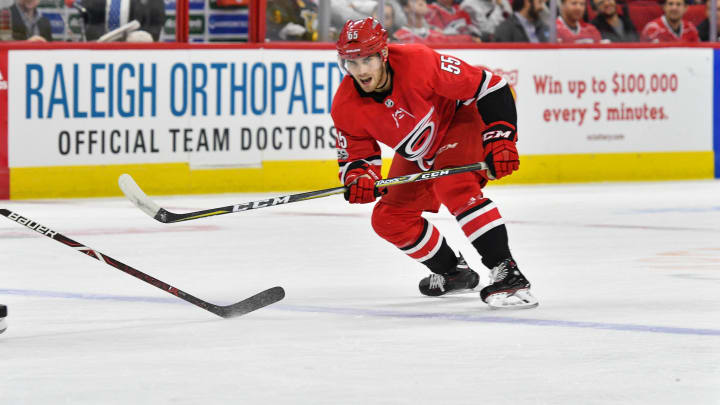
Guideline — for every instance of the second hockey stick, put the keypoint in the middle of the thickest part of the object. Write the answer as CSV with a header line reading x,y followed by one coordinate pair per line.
x,y
257,301
138,197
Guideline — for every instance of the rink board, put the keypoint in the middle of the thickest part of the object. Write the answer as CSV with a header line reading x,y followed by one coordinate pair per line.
x,y
242,119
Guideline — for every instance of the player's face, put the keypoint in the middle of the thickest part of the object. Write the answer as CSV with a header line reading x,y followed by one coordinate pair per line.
x,y
368,72
674,10
572,10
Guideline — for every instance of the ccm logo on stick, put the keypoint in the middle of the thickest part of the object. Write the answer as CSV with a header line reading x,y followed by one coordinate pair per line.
x,y
32,225
261,203
434,174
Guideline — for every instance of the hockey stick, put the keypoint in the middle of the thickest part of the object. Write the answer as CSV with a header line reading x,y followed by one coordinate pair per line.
x,y
138,197
257,301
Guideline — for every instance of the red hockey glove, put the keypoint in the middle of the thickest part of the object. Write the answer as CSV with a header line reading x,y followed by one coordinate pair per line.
x,y
502,157
361,188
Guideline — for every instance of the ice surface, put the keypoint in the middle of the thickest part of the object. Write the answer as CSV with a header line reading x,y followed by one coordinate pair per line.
x,y
627,276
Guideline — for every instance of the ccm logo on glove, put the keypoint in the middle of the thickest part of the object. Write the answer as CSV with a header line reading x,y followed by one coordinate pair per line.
x,y
496,135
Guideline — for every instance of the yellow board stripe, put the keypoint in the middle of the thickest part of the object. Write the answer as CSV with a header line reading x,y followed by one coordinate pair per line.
x,y
178,178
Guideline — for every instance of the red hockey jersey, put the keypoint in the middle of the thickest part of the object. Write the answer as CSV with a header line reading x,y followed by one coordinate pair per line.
x,y
658,30
584,33
414,115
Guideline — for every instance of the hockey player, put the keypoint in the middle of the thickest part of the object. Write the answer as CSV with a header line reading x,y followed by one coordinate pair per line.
x,y
435,111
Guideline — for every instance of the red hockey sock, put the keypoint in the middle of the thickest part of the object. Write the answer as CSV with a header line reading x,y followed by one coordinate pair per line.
x,y
485,228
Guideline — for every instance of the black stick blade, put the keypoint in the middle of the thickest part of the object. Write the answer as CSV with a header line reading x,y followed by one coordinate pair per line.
x,y
257,301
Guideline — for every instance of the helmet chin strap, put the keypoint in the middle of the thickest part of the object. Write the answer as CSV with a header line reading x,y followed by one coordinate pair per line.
x,y
387,78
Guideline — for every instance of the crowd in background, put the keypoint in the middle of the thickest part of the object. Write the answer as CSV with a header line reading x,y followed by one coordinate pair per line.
x,y
476,21
22,19
425,21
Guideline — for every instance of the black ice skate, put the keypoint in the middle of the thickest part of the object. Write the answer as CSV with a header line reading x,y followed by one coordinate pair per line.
x,y
509,289
461,280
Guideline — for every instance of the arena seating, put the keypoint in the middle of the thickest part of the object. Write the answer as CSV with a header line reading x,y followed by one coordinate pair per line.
x,y
644,11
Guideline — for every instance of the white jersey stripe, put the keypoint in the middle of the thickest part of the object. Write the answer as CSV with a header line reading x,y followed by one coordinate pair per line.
x,y
423,242
434,250
484,89
486,228
476,214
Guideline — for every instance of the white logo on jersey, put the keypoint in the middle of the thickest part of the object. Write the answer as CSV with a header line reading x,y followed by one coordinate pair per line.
x,y
445,147
389,103
419,140
3,82
398,115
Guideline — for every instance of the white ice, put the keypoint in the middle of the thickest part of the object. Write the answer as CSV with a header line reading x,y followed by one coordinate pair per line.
x,y
627,275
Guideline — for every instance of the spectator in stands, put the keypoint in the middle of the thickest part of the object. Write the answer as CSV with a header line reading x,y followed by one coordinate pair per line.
x,y
343,10
101,18
611,25
27,23
571,28
544,12
418,29
390,21
704,27
524,24
448,17
291,20
486,15
670,27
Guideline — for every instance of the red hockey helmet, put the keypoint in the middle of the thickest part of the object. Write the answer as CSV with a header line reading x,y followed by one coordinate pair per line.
x,y
361,38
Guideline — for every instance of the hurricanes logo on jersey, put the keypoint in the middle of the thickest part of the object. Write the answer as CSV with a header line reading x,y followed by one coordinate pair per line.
x,y
418,142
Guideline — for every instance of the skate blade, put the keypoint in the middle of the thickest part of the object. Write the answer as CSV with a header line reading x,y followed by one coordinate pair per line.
x,y
479,287
458,292
520,299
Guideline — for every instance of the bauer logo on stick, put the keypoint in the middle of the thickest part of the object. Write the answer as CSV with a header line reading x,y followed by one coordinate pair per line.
x,y
32,225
